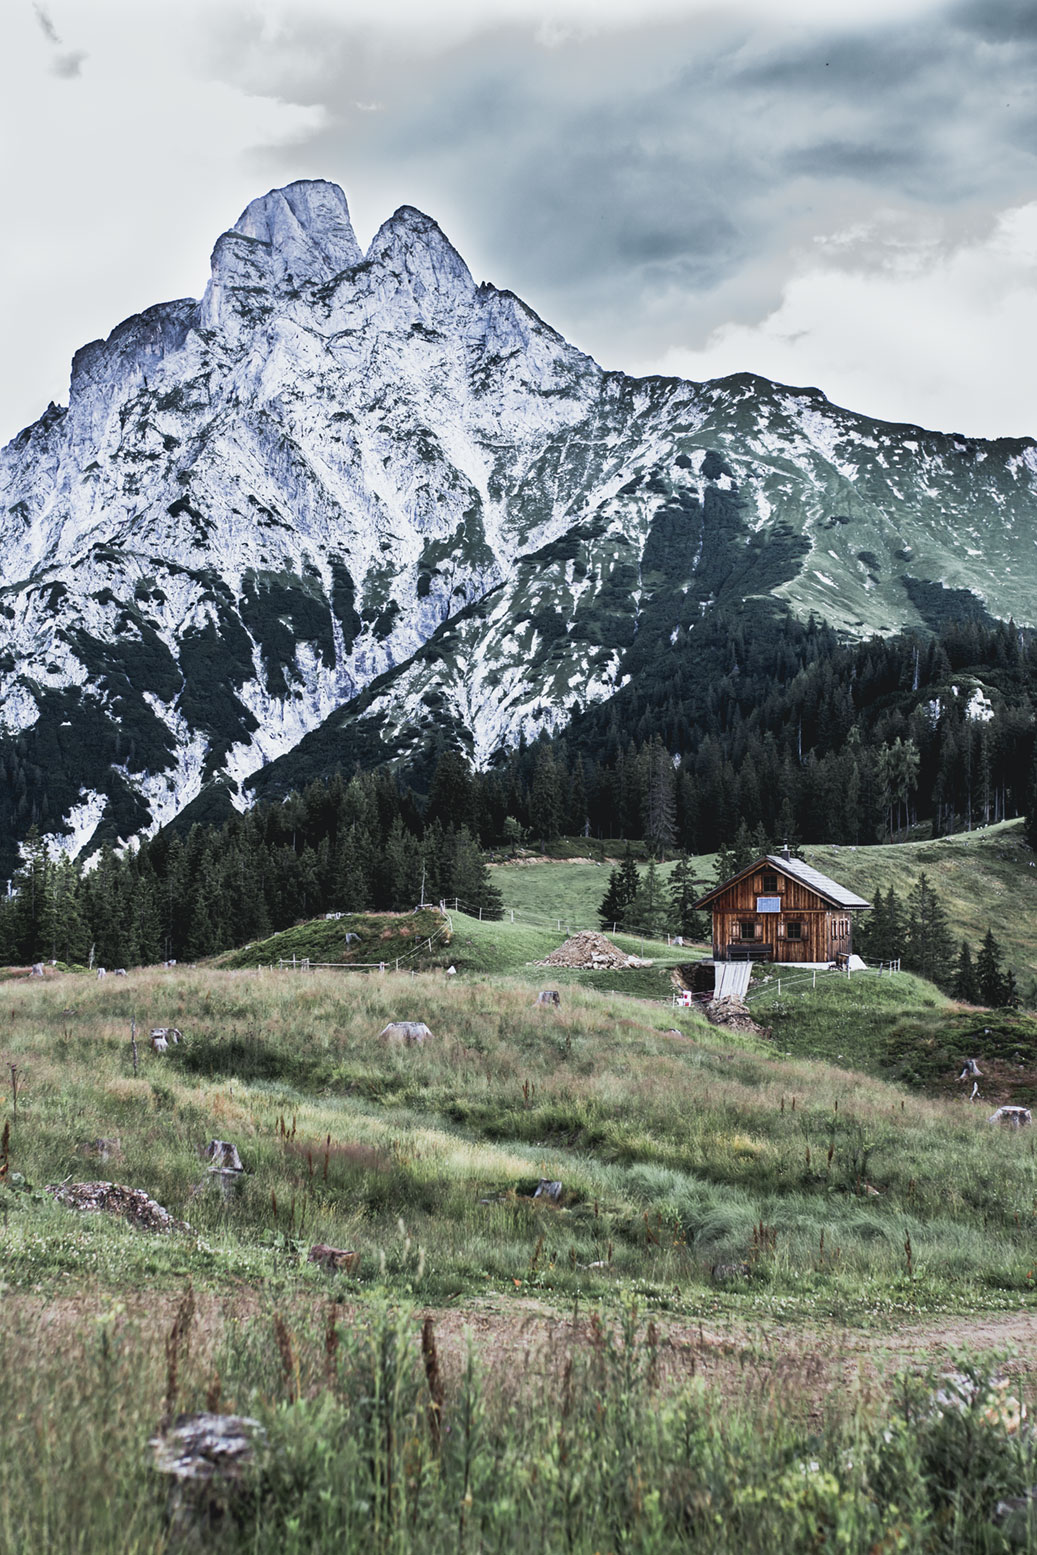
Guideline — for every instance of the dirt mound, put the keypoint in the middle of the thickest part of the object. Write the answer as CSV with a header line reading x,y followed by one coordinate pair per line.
x,y
593,952
111,1198
733,1015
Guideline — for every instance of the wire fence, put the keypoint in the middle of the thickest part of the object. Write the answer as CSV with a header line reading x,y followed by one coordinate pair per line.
x,y
801,982
424,946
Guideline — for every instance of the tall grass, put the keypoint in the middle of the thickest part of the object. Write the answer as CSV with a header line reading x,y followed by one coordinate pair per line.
x,y
372,1440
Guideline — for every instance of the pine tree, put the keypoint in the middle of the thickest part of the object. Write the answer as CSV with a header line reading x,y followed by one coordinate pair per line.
x,y
622,888
928,948
648,912
660,793
545,796
1031,805
613,902
684,891
966,985
991,980
467,877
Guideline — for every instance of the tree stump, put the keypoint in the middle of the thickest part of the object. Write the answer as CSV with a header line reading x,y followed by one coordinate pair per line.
x,y
551,1191
225,1168
207,1459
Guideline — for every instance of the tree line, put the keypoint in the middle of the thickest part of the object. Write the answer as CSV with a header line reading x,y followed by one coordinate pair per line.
x,y
339,847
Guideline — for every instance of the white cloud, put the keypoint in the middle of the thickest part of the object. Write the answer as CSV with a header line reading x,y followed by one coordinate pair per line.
x,y
922,328
119,180
818,192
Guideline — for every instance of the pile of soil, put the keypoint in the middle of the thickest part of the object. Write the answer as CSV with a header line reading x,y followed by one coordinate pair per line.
x,y
733,1015
111,1198
594,952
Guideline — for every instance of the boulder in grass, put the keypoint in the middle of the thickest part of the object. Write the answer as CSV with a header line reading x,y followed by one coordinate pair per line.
x,y
729,1273
225,1169
1012,1117
113,1198
405,1033
223,1156
549,996
551,1191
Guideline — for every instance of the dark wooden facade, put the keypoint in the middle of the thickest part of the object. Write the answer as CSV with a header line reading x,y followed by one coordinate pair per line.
x,y
781,910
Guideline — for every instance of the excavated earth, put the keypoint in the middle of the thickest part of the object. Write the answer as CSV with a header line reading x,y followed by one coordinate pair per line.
x,y
591,951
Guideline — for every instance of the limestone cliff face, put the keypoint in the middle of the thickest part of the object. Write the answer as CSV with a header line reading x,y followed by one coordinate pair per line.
x,y
353,486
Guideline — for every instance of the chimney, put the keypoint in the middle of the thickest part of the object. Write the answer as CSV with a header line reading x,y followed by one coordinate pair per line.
x,y
785,850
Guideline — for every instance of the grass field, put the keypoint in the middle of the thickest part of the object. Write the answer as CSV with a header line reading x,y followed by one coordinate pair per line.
x,y
707,1179
672,1149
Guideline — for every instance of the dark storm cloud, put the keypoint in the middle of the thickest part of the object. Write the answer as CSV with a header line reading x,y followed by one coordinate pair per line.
x,y
999,21
630,182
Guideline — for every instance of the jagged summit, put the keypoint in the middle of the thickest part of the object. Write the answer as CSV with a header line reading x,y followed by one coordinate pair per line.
x,y
348,505
305,220
292,237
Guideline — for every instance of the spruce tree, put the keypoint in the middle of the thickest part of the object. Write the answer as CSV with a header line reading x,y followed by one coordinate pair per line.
x,y
991,980
648,912
622,888
683,892
659,807
612,903
928,949
966,985
467,878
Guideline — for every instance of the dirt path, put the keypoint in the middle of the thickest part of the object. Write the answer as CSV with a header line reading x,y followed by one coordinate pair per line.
x,y
766,1360
756,1359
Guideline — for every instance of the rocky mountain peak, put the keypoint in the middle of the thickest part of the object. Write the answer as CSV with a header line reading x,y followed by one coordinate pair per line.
x,y
306,225
289,238
413,249
350,505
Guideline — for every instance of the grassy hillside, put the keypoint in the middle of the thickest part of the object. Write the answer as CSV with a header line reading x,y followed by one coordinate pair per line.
x,y
707,1179
376,938
985,878
674,1151
549,892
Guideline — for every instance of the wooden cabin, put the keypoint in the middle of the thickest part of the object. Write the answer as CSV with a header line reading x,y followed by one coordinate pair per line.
x,y
779,909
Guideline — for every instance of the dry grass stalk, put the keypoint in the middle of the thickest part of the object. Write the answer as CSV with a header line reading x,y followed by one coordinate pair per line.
x,y
214,1393
434,1378
289,1358
177,1341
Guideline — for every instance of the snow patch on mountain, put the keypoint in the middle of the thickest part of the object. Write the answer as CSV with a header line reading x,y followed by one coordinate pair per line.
x,y
345,475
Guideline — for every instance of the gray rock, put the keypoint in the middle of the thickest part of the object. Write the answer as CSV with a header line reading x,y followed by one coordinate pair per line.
x,y
407,1033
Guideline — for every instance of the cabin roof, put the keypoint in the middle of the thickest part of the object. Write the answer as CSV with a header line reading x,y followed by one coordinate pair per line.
x,y
795,869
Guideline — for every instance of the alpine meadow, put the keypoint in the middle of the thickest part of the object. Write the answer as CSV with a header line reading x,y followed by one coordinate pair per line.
x,y
519,964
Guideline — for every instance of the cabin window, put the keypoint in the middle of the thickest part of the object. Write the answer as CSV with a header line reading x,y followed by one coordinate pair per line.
x,y
793,929
768,904
747,929
769,885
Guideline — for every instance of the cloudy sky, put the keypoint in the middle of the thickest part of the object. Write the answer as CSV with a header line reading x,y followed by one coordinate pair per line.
x,y
844,197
